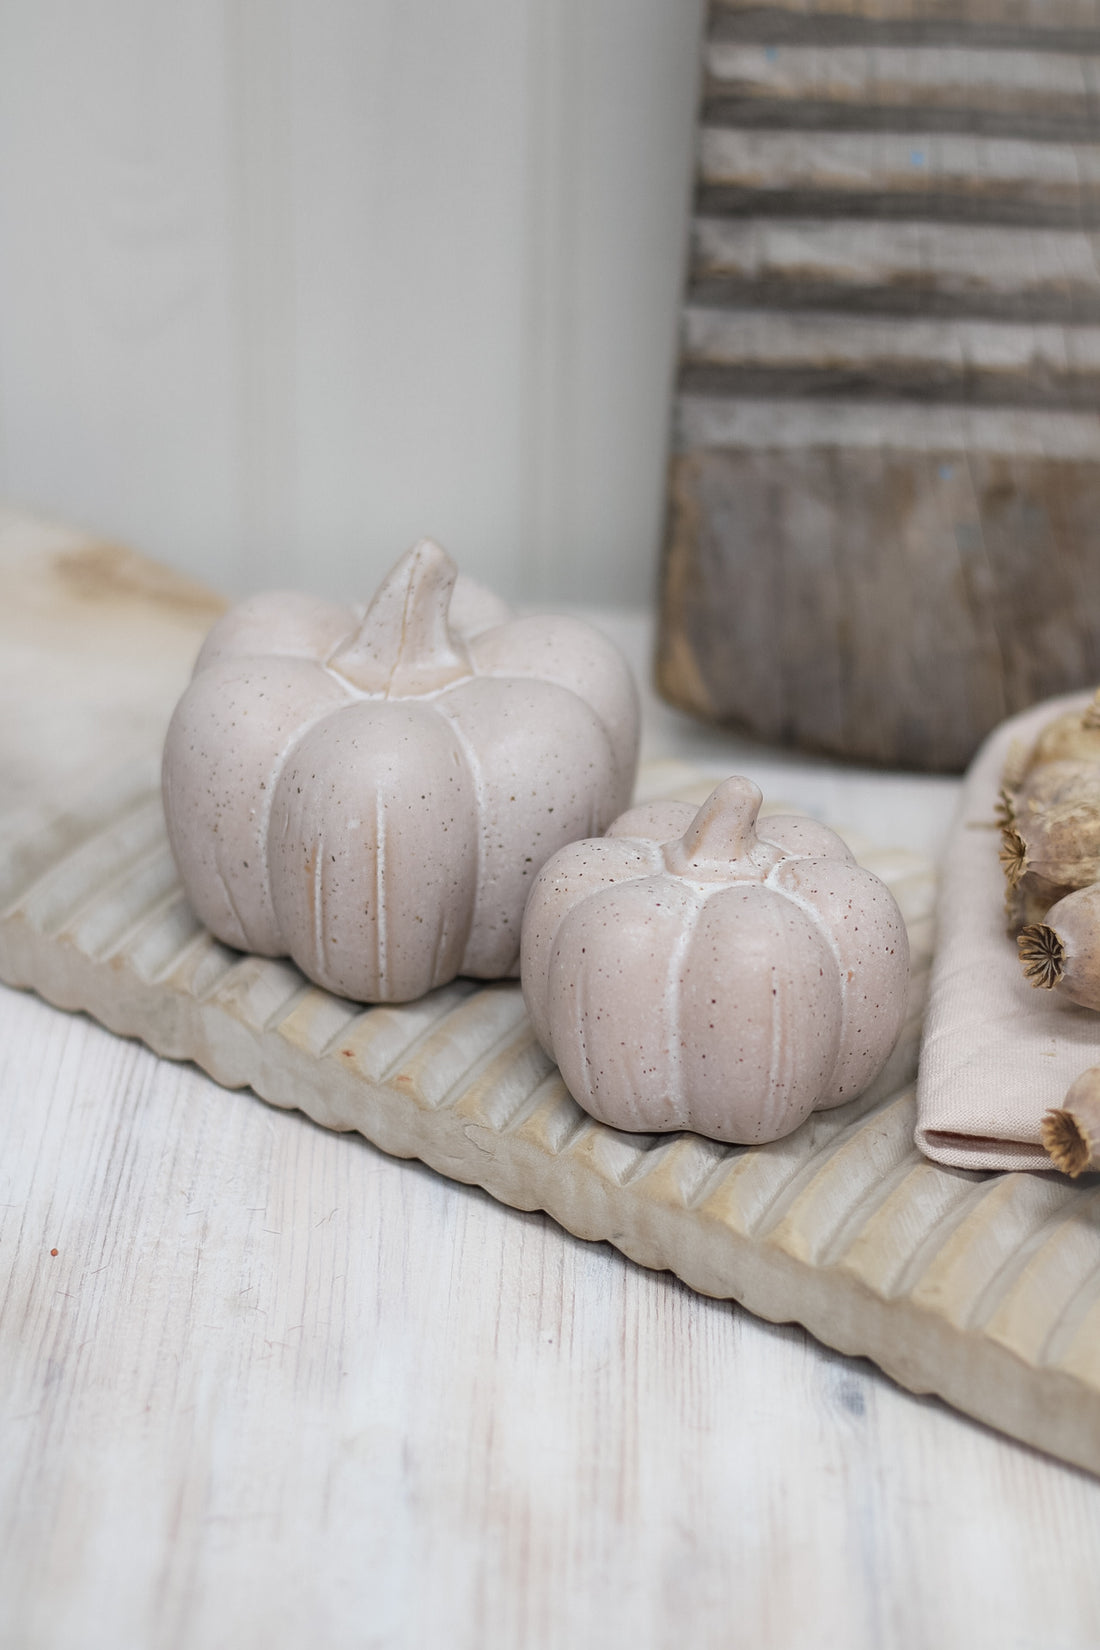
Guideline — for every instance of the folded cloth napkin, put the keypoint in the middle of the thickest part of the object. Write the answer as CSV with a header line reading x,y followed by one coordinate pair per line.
x,y
997,1052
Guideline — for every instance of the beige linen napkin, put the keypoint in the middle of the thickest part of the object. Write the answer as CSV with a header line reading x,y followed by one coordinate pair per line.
x,y
997,1053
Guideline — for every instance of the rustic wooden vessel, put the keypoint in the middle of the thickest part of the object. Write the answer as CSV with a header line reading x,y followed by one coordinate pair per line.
x,y
884,511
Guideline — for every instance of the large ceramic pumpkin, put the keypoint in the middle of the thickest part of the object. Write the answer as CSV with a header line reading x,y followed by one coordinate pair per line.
x,y
372,795
691,971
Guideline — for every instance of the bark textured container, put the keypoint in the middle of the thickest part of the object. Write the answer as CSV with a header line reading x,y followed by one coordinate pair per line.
x,y
884,515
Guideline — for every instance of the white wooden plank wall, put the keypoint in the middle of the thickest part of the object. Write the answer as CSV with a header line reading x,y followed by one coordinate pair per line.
x,y
286,283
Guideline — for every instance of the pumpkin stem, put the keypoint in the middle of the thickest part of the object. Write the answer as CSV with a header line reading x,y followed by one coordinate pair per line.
x,y
721,840
404,644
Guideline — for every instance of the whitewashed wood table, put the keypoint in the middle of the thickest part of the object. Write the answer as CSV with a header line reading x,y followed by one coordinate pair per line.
x,y
276,1388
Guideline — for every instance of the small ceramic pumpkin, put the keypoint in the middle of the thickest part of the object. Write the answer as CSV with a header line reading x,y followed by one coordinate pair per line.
x,y
373,794
689,971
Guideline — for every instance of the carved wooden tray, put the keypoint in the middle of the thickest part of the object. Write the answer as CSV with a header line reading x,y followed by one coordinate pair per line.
x,y
982,1289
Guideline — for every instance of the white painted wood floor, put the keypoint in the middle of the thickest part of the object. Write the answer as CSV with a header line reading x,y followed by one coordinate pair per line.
x,y
276,1389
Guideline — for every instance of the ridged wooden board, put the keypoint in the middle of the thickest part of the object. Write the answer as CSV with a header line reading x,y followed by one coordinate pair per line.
x,y
838,265
985,1290
1072,22
883,489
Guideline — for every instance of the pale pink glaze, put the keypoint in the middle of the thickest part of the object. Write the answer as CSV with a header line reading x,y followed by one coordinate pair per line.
x,y
372,795
688,971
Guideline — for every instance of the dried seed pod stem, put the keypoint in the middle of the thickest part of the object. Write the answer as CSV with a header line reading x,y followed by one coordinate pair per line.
x,y
1071,1132
1005,812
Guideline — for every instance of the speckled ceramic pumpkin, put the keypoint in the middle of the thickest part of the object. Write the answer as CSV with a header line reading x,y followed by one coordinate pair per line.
x,y
372,794
691,971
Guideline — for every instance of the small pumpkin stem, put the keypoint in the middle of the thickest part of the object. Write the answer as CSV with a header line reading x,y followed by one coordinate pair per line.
x,y
722,836
1042,954
1071,1132
404,644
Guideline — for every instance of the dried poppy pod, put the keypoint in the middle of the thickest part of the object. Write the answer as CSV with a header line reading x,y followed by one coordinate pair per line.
x,y
1072,737
1050,844
1068,782
1062,953
1071,1132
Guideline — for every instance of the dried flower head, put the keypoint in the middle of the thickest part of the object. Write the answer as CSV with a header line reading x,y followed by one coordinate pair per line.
x,y
1042,954
1069,1147
1071,1133
1013,854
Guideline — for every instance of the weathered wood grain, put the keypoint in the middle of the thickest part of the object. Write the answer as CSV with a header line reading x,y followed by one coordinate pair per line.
x,y
1054,18
744,351
914,266
1038,94
882,533
875,601
952,174
120,633
947,430
1061,84
278,1389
